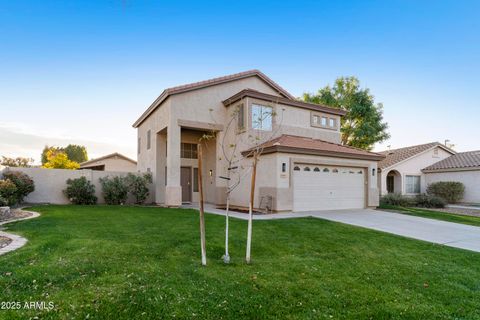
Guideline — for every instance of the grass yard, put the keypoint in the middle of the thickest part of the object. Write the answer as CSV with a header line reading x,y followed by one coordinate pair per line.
x,y
108,262
432,214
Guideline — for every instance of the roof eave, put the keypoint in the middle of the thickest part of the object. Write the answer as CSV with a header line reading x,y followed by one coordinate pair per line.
x,y
306,151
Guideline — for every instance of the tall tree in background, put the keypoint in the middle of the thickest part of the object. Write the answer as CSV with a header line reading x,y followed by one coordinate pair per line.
x,y
16,162
76,153
59,160
363,124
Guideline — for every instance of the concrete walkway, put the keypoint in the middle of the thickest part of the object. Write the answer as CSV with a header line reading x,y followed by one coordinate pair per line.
x,y
435,231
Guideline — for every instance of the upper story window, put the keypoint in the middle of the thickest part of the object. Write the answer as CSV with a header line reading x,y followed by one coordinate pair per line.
x,y
241,117
188,151
323,121
262,117
149,137
138,145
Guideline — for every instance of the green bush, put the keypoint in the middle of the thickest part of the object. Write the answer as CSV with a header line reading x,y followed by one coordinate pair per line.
x,y
396,199
23,183
430,201
138,186
115,190
80,191
8,193
451,191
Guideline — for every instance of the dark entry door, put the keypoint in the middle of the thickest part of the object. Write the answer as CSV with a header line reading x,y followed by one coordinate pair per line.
x,y
186,183
390,184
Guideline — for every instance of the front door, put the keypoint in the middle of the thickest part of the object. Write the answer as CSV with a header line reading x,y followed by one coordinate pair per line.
x,y
186,183
390,184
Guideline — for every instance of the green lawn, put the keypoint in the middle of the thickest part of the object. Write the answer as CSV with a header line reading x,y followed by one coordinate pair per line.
x,y
432,214
143,263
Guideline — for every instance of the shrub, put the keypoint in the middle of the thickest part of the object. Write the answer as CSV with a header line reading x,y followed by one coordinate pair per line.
x,y
23,183
115,190
451,191
80,191
8,193
138,186
430,201
396,199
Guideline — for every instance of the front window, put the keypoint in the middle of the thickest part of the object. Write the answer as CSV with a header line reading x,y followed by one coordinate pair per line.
x,y
324,121
262,117
412,184
331,122
188,151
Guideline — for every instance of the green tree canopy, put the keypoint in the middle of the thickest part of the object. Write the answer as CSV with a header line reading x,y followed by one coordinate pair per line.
x,y
16,162
74,153
363,125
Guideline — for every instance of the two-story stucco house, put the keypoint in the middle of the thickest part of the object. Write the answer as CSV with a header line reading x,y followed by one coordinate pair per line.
x,y
302,167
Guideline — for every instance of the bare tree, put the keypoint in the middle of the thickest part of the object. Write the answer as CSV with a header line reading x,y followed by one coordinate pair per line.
x,y
202,213
252,140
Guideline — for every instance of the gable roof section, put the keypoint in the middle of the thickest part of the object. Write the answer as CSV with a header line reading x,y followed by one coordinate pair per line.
x,y
310,146
457,162
207,83
396,156
268,97
111,155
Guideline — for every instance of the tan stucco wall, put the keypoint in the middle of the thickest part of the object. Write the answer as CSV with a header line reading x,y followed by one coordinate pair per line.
x,y
114,164
471,180
205,106
413,166
50,183
271,181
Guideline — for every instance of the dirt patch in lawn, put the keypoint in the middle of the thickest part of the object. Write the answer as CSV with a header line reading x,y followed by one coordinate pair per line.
x,y
4,241
16,214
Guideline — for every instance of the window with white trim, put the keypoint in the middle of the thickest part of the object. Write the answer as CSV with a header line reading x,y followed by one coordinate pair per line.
x,y
412,184
262,117
149,138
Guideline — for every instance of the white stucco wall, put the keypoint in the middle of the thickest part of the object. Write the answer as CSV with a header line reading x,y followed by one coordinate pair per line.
x,y
413,166
471,180
50,183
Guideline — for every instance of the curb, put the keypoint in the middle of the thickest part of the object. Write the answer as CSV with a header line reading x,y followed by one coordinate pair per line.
x,y
17,241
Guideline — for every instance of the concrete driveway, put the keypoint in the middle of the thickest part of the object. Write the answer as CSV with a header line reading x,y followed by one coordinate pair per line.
x,y
435,231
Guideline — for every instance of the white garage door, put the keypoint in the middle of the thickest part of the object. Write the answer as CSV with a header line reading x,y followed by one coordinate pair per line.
x,y
327,188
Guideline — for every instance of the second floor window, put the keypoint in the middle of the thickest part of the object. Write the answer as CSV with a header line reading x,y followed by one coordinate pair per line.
x,y
138,146
149,136
241,117
262,117
188,151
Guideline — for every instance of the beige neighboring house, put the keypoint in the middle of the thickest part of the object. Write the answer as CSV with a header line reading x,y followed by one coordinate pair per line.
x,y
111,162
463,167
401,170
303,167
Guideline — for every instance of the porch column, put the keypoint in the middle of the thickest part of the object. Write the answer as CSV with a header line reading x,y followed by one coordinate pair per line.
x,y
161,164
173,190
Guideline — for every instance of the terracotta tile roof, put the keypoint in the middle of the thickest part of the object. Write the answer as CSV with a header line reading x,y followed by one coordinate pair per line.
x,y
268,97
111,155
304,145
206,83
395,156
463,160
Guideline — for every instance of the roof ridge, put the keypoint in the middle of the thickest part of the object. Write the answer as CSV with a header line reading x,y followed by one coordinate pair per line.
x,y
416,145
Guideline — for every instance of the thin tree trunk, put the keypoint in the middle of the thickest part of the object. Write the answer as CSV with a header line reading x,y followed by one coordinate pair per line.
x,y
202,213
250,208
226,257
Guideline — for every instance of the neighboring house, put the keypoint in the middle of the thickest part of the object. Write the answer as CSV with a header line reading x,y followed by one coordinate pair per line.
x,y
463,167
401,170
303,167
111,162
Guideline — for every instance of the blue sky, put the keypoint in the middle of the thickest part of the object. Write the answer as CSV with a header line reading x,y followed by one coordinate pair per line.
x,y
83,71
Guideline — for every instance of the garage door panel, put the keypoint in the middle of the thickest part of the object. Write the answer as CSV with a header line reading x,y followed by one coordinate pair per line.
x,y
328,188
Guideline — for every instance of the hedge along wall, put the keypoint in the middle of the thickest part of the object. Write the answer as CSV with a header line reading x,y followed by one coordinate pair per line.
x,y
50,183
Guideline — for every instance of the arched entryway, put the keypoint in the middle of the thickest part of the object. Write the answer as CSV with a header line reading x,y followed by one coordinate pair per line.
x,y
394,182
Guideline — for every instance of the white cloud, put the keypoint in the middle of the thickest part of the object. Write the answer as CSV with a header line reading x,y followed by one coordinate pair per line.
x,y
20,140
